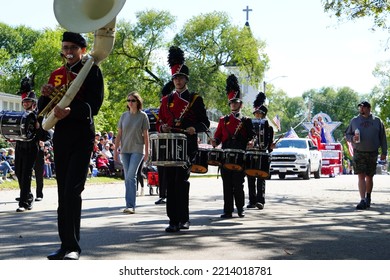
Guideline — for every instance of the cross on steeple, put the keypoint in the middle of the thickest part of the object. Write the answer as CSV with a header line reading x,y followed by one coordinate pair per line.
x,y
247,10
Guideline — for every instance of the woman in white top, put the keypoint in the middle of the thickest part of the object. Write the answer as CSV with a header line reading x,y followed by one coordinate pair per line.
x,y
133,141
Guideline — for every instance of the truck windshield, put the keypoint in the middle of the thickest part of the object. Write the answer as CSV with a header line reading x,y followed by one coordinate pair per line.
x,y
292,144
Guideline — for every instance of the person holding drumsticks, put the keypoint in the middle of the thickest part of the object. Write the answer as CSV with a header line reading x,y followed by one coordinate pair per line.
x,y
263,142
234,131
180,112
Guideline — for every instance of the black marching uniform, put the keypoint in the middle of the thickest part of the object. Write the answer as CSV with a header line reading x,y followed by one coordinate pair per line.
x,y
234,131
38,170
25,156
176,178
73,142
263,139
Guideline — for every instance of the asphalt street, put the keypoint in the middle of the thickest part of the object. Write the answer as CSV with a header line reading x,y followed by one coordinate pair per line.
x,y
311,219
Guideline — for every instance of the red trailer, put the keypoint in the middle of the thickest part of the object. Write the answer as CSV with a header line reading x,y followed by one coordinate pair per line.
x,y
332,159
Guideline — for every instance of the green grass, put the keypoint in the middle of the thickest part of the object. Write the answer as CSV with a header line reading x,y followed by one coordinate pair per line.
x,y
53,183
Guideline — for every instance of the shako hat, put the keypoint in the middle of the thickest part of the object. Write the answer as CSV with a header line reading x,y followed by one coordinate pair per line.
x,y
233,89
29,96
176,62
258,104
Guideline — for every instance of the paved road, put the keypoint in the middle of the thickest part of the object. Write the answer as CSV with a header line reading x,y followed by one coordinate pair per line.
x,y
302,220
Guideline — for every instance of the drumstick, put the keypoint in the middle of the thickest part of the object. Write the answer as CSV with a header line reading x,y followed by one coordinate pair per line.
x,y
207,131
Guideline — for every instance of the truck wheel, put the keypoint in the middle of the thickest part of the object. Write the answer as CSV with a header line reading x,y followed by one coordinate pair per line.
x,y
282,176
317,174
306,175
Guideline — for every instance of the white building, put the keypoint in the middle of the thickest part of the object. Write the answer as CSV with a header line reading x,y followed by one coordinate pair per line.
x,y
10,102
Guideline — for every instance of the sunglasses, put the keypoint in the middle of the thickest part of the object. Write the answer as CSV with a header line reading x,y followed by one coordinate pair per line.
x,y
70,48
131,100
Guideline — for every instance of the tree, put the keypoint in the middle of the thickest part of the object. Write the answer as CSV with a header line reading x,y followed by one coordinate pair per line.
x,y
381,93
378,10
212,45
15,56
135,64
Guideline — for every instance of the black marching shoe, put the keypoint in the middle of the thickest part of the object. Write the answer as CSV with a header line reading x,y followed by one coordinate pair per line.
x,y
172,228
160,201
23,209
260,205
185,225
241,213
39,199
251,206
226,216
72,255
57,255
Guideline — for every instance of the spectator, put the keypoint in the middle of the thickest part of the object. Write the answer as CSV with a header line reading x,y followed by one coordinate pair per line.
x,y
5,167
48,172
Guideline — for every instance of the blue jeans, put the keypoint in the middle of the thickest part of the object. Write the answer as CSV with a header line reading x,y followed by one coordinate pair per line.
x,y
47,169
131,162
5,167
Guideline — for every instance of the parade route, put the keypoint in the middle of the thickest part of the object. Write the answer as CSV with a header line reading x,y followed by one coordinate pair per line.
x,y
311,219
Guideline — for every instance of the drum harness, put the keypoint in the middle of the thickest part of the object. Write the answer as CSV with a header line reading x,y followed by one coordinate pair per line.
x,y
178,121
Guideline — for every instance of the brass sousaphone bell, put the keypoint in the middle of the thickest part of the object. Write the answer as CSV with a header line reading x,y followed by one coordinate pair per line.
x,y
82,16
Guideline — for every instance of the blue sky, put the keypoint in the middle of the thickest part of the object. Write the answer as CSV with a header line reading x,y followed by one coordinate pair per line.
x,y
303,43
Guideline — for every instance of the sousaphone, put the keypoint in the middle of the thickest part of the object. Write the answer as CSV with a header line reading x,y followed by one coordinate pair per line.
x,y
82,16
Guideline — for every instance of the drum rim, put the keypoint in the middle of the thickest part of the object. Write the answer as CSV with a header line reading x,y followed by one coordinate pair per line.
x,y
234,150
164,136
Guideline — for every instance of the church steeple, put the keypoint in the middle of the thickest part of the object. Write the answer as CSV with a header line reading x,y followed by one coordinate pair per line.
x,y
247,10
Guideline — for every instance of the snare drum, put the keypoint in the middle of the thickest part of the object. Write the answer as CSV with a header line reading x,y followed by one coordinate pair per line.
x,y
257,164
234,159
199,165
168,149
17,126
215,157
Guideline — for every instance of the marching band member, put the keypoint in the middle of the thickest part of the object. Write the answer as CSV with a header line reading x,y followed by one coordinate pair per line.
x,y
72,154
235,132
162,188
25,155
264,134
184,112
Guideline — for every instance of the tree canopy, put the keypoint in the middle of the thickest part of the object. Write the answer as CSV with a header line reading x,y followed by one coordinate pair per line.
x,y
213,47
377,10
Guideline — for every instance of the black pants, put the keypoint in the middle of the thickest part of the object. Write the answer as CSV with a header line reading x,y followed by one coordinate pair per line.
x,y
38,169
162,183
178,188
233,190
25,155
256,189
72,162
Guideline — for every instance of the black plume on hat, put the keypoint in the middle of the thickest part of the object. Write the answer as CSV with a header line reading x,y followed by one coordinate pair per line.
x,y
176,62
260,99
26,84
74,38
167,88
232,88
258,104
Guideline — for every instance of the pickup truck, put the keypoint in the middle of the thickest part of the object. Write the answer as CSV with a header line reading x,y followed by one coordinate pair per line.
x,y
296,156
